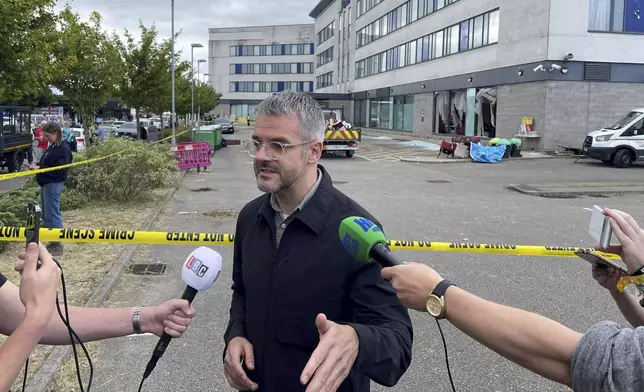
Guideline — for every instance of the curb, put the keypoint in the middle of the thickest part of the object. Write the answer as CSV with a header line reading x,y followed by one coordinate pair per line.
x,y
50,367
528,190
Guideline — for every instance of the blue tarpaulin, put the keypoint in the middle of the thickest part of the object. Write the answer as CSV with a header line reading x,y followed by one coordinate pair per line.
x,y
483,154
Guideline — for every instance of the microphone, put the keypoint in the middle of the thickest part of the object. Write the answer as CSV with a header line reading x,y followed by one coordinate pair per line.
x,y
364,240
199,272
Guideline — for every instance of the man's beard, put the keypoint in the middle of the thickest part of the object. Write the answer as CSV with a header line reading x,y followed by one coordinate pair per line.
x,y
285,179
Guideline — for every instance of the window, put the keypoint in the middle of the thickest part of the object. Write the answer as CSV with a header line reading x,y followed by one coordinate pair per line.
x,y
616,15
326,33
324,80
275,68
365,5
403,15
269,87
272,50
473,33
325,57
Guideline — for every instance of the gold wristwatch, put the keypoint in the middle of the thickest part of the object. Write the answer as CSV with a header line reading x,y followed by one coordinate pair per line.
x,y
435,304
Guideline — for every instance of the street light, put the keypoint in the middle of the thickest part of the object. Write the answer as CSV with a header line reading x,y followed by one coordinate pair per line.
x,y
193,80
199,67
172,119
192,70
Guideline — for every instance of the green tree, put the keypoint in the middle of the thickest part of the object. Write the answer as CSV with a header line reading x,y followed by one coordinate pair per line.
x,y
27,35
145,83
88,64
206,97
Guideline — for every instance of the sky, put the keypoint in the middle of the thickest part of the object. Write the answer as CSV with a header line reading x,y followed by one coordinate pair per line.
x,y
193,18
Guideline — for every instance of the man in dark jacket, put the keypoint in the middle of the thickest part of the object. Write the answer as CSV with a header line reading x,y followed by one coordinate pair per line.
x,y
305,315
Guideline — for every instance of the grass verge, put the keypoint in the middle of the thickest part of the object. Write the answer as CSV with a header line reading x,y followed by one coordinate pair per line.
x,y
85,265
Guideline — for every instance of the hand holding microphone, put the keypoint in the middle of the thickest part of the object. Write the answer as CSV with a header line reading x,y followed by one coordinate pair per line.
x,y
200,270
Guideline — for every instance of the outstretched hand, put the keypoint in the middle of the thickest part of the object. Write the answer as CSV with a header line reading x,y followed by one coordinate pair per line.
x,y
333,358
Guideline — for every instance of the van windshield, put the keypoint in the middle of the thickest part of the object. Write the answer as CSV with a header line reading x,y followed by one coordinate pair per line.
x,y
625,121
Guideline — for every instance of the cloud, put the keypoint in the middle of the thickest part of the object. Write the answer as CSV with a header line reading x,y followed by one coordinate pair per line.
x,y
193,18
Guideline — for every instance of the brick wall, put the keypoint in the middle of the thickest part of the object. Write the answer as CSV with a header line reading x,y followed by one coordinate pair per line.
x,y
611,101
567,115
517,101
576,108
423,102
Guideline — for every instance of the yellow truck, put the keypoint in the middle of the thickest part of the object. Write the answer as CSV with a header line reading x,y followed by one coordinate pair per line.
x,y
338,138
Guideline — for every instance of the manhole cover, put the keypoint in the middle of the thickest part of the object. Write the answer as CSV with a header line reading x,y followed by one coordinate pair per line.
x,y
203,189
438,181
148,269
340,182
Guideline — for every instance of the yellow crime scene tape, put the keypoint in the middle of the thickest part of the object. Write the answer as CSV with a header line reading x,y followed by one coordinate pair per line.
x,y
10,176
188,238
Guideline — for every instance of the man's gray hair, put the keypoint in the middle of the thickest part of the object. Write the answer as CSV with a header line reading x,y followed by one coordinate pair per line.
x,y
300,105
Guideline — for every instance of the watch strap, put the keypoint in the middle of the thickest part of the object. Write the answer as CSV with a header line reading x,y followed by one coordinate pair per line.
x,y
638,272
441,287
136,320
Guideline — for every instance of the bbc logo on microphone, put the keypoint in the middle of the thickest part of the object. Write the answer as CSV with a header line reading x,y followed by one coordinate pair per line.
x,y
196,266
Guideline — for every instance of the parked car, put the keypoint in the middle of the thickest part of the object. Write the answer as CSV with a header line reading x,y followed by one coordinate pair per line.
x,y
226,125
79,134
128,129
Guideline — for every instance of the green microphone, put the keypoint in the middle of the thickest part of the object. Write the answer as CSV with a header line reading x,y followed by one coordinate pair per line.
x,y
364,240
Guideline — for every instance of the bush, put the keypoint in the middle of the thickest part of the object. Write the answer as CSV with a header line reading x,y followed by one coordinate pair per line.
x,y
140,168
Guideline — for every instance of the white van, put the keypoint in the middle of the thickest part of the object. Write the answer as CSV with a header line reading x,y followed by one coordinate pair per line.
x,y
621,143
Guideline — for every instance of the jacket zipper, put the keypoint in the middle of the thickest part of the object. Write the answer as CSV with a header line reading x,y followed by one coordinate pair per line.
x,y
270,301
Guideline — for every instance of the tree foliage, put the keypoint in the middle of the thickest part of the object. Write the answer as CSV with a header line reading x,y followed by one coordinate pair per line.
x,y
40,49
27,36
88,64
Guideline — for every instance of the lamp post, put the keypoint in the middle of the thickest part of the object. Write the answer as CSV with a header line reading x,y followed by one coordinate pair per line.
x,y
192,76
193,81
172,119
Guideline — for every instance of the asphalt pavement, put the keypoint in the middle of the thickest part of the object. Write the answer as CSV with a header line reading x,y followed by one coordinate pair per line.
x,y
454,203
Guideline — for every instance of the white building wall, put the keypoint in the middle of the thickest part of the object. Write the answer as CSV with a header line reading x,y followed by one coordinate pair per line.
x,y
569,34
219,55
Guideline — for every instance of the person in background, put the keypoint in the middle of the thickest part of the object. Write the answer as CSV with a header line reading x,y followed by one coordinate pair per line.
x,y
42,144
28,315
248,120
606,358
52,182
152,132
66,132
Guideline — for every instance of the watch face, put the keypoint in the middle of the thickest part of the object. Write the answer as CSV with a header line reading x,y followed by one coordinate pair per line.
x,y
434,306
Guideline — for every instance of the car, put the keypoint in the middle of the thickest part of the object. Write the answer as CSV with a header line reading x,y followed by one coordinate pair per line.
x,y
128,129
79,134
226,125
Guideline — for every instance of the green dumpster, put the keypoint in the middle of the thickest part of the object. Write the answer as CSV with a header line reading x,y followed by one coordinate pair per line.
x,y
210,134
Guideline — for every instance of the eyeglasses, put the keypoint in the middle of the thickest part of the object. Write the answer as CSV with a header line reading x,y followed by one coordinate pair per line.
x,y
273,149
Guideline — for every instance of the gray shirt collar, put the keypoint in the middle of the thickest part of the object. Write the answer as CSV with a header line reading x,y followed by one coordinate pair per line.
x,y
301,205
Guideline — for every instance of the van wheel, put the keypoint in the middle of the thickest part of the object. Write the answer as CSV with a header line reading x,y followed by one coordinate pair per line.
x,y
350,153
623,158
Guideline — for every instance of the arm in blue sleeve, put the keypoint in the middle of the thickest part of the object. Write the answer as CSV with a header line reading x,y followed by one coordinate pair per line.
x,y
383,327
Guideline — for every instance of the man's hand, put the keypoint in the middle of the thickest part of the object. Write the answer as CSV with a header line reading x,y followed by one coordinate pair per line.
x,y
33,166
38,286
631,238
333,358
172,317
239,350
413,283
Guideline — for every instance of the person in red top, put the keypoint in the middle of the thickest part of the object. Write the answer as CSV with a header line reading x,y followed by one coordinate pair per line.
x,y
43,143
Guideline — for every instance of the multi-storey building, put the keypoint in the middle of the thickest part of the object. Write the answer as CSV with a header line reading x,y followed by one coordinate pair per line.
x,y
478,67
248,64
